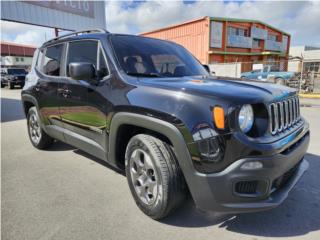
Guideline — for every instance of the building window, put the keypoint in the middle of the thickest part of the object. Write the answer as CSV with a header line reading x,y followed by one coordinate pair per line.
x,y
256,43
272,37
17,59
238,31
21,59
312,67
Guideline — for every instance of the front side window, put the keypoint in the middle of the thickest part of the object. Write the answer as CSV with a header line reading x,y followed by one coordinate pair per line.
x,y
154,58
52,59
82,51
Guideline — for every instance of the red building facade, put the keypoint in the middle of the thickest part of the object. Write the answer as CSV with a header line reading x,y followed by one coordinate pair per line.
x,y
225,40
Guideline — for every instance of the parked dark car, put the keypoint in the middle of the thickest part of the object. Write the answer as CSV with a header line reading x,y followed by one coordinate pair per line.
x,y
12,77
148,107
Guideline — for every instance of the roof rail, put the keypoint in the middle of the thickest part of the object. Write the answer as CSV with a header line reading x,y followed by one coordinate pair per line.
x,y
98,30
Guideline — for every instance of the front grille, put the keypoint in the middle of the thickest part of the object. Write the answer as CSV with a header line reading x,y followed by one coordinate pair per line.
x,y
284,114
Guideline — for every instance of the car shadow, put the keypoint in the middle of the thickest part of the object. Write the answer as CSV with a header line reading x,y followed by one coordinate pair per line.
x,y
11,110
297,216
99,161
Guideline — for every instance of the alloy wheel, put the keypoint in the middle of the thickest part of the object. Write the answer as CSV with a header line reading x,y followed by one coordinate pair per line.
x,y
34,128
144,177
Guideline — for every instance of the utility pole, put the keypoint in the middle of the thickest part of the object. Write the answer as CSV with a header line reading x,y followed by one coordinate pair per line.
x,y
301,70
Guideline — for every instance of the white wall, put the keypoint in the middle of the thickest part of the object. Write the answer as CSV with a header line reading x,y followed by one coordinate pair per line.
x,y
226,69
12,61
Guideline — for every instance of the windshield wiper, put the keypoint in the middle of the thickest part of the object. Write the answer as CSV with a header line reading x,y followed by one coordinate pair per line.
x,y
143,74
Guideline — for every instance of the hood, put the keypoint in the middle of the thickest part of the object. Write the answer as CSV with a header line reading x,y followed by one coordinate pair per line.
x,y
234,90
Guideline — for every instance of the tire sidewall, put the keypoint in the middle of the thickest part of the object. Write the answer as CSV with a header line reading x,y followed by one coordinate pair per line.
x,y
156,207
31,111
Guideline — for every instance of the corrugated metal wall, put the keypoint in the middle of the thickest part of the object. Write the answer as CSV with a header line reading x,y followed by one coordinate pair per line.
x,y
193,35
11,49
29,13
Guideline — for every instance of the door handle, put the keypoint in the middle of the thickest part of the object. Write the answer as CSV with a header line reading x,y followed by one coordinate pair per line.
x,y
66,93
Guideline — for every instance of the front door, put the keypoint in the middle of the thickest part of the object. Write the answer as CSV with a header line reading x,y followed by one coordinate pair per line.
x,y
84,125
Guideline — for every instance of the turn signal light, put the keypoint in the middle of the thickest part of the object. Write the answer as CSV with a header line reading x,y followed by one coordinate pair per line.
x,y
218,117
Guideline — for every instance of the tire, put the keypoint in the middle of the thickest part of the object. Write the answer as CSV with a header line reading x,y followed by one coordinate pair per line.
x,y
11,85
37,136
280,81
2,85
243,78
152,170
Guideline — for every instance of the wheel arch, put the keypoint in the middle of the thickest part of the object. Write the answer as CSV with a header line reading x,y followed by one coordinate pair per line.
x,y
167,132
137,123
28,102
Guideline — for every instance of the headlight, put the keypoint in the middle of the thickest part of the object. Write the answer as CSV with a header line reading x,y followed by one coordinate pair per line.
x,y
246,118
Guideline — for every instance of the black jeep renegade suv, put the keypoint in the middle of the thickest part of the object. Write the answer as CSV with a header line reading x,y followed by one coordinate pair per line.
x,y
148,107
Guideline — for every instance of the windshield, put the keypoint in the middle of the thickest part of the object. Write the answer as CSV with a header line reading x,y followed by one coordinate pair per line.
x,y
149,57
16,71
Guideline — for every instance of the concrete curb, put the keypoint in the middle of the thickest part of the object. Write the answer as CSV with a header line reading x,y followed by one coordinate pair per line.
x,y
307,95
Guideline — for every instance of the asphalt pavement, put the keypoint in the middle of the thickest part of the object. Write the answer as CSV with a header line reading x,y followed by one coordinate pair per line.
x,y
63,193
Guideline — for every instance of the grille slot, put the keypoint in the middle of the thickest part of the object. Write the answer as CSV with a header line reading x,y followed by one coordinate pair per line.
x,y
284,114
246,187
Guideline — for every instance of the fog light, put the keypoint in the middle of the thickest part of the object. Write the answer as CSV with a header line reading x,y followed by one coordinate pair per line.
x,y
251,165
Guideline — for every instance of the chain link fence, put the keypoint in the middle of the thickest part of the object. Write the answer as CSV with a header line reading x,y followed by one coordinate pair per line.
x,y
304,75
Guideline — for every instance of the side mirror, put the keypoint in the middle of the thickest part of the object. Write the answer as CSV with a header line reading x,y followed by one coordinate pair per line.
x,y
81,70
207,68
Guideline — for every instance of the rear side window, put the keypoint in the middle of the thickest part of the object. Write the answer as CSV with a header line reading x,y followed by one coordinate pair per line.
x,y
82,51
52,59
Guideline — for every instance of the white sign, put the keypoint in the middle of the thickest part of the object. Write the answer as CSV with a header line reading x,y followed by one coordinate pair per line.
x,y
67,15
216,34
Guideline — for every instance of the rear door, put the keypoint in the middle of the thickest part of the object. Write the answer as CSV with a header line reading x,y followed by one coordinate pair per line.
x,y
47,77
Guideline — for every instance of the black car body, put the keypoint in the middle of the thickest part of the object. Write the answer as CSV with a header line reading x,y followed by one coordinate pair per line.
x,y
225,169
12,77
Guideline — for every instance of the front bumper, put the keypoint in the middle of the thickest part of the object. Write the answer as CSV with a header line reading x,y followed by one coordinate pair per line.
x,y
17,81
218,192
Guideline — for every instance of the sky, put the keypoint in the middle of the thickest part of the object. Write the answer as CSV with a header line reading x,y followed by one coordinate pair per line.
x,y
300,19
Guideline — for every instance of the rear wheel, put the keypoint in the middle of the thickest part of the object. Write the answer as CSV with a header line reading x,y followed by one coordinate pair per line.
x,y
153,175
11,85
37,136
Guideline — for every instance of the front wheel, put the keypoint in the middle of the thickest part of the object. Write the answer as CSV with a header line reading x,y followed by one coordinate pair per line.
x,y
37,136
153,175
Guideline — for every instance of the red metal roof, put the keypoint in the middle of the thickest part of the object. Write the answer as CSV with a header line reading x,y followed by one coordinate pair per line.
x,y
15,49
